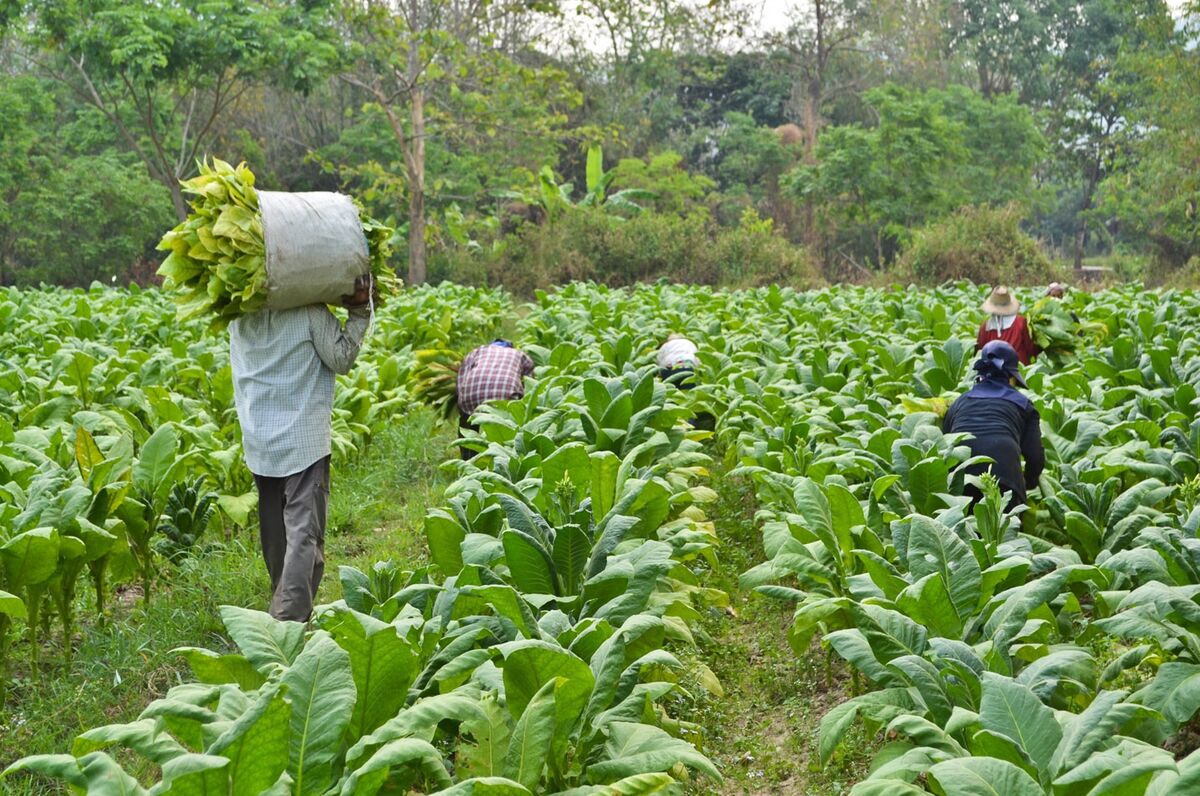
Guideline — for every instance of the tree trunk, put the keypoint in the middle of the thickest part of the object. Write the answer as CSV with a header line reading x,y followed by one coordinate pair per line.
x,y
414,157
181,208
1081,224
416,191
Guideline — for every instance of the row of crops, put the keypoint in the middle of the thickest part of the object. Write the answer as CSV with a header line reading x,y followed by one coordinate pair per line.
x,y
118,435
1054,652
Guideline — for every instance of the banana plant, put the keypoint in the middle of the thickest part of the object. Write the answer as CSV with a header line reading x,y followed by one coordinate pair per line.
x,y
554,197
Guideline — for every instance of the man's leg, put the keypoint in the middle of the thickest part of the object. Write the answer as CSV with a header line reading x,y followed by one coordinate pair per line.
x,y
306,499
270,526
464,423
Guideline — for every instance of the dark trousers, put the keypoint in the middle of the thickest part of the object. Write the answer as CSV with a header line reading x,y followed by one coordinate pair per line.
x,y
681,377
464,423
291,517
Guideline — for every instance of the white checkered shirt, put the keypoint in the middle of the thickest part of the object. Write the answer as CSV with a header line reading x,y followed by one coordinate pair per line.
x,y
491,372
283,364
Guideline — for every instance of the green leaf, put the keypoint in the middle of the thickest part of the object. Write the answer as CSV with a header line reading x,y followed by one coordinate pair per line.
x,y
1012,710
196,775
935,549
268,643
216,669
605,465
87,454
64,767
1088,731
845,513
156,459
571,551
384,665
410,752
1174,692
12,605
983,776
530,564
257,744
529,745
881,706
320,687
485,786
637,785
886,787
927,602
238,507
529,665
445,537
30,558
145,737
640,749
484,755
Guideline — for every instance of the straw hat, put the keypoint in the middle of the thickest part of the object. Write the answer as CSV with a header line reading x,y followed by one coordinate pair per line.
x,y
1001,302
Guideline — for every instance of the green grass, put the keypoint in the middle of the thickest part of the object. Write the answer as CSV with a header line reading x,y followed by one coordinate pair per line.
x,y
376,507
762,733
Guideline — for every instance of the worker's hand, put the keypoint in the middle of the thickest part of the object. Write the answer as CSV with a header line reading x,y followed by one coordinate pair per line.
x,y
362,292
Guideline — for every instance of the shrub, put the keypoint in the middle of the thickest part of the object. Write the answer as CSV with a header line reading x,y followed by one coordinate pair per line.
x,y
676,190
91,219
588,244
982,244
752,255
1185,278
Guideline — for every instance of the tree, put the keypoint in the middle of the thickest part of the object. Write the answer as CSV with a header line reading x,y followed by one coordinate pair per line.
x,y
406,54
669,187
1009,42
25,159
1090,97
1153,187
72,209
166,74
930,153
823,31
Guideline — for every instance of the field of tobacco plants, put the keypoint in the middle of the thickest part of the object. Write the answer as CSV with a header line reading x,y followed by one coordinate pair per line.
x,y
564,624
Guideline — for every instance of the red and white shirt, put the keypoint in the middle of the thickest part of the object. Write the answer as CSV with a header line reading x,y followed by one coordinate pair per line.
x,y
489,373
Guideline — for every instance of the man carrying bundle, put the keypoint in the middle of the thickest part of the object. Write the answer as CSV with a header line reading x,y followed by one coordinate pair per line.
x,y
284,363
492,372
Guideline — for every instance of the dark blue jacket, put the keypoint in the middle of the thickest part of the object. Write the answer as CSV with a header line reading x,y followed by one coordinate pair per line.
x,y
1005,426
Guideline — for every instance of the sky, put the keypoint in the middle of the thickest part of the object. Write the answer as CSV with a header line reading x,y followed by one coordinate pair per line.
x,y
773,14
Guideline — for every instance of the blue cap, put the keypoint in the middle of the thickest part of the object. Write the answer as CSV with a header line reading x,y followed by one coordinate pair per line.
x,y
998,358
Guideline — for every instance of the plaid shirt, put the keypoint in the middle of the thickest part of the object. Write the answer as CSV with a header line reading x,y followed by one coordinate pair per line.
x,y
283,364
491,372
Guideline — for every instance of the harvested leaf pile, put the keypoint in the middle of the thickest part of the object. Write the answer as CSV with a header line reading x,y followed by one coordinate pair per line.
x,y
218,260
1058,332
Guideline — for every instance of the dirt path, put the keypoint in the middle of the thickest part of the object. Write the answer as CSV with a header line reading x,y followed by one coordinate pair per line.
x,y
763,732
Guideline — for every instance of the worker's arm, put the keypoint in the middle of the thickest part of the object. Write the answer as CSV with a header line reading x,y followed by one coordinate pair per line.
x,y
948,419
526,365
1032,450
337,346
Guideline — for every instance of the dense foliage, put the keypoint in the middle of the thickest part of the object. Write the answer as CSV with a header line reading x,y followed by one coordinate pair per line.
x,y
850,125
1048,651
117,430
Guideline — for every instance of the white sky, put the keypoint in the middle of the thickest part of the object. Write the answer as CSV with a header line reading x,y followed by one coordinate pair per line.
x,y
773,15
